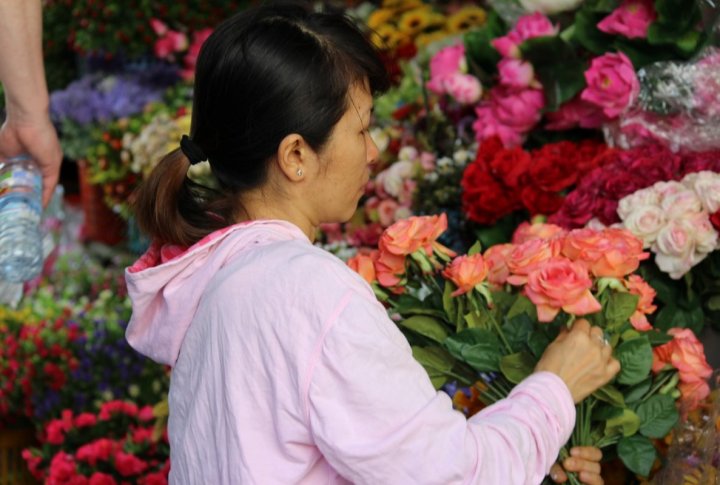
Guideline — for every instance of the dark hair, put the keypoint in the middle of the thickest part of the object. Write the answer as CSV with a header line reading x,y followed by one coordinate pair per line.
x,y
263,74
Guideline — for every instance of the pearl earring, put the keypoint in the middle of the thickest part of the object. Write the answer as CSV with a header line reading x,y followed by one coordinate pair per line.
x,y
299,172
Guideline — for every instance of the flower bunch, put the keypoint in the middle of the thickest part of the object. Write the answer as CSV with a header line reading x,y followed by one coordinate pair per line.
x,y
117,444
483,319
674,220
172,44
503,180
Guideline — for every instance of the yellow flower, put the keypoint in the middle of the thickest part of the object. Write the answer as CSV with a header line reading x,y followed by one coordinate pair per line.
x,y
387,37
380,17
417,20
423,40
466,18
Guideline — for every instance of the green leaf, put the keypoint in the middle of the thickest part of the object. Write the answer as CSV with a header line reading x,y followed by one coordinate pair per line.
x,y
475,249
478,348
611,395
517,330
538,342
636,392
436,361
657,415
460,316
449,301
657,338
603,412
635,358
482,58
637,453
713,303
428,326
517,367
675,316
587,33
620,307
522,305
627,424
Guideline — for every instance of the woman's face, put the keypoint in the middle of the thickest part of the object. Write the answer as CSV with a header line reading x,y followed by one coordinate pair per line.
x,y
345,161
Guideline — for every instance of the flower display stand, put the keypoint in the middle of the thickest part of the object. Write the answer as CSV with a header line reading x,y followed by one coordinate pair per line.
x,y
13,470
101,224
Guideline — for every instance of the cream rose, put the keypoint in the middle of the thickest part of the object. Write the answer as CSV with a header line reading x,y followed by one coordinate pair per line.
x,y
550,7
646,222
707,187
640,198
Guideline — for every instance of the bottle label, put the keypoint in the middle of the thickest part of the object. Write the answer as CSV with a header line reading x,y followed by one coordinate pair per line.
x,y
20,179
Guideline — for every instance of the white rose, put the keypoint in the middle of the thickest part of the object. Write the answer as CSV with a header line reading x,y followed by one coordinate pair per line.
x,y
707,187
682,204
642,197
646,222
665,189
675,248
550,7
392,183
408,153
706,237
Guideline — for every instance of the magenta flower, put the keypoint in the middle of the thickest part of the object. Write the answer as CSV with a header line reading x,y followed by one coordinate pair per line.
x,y
527,27
509,113
516,73
631,19
446,63
576,112
611,84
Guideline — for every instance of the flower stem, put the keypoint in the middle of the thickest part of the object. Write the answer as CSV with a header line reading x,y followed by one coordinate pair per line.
x,y
657,386
494,323
572,477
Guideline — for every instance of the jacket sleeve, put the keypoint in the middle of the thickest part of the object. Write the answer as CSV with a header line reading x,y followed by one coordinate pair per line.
x,y
376,417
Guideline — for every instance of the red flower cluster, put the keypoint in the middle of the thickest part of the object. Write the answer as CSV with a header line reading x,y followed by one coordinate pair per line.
x,y
33,355
622,172
502,180
116,445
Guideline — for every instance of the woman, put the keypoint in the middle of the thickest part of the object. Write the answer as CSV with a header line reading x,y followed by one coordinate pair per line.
x,y
286,368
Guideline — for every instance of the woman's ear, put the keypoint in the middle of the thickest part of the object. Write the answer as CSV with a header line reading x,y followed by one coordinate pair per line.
x,y
295,157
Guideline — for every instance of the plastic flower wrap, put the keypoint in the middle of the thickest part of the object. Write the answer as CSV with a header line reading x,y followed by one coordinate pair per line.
x,y
482,320
678,105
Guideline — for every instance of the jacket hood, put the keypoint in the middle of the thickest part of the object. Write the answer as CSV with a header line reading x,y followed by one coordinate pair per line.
x,y
167,283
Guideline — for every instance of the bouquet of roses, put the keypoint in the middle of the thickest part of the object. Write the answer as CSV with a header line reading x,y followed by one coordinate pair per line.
x,y
484,320
118,444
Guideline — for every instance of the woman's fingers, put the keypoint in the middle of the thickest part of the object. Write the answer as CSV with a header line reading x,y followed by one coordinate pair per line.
x,y
557,474
591,453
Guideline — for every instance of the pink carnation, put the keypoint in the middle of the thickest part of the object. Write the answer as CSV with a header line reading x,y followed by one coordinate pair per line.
x,y
516,73
508,114
631,19
464,88
443,65
611,84
573,113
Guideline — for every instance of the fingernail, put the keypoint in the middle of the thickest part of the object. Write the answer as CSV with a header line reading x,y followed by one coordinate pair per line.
x,y
574,451
554,476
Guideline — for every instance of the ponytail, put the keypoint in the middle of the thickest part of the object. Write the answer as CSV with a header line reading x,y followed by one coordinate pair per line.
x,y
171,208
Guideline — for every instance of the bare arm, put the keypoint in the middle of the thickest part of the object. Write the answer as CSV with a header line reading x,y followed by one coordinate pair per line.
x,y
27,128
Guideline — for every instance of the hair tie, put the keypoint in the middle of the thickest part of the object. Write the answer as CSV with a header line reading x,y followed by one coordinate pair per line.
x,y
191,150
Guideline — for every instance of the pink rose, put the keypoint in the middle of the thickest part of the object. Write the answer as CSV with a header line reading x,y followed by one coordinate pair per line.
x,y
464,88
611,84
508,114
85,419
528,256
684,203
640,198
675,248
386,211
516,73
631,19
526,232
158,26
607,253
638,286
561,284
527,27
443,65
389,269
496,258
62,468
466,272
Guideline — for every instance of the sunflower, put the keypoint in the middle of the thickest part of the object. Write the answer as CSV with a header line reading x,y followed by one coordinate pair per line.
x,y
400,6
466,18
418,20
387,37
425,39
380,17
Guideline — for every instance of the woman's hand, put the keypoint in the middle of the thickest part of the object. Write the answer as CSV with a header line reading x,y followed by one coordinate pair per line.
x,y
582,358
583,460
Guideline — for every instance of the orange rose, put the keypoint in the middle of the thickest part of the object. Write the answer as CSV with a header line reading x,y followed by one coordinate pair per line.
x,y
364,265
561,284
527,231
528,256
637,286
496,258
610,252
408,235
687,355
466,272
389,269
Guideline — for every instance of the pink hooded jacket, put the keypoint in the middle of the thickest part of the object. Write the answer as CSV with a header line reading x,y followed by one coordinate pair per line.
x,y
287,370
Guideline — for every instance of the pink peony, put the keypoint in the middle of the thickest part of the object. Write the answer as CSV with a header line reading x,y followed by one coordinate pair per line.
x,y
443,65
611,84
509,114
561,284
527,27
631,19
464,88
516,73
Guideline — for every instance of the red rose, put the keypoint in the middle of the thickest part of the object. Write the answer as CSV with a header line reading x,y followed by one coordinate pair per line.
x,y
589,154
484,199
618,184
62,468
577,210
510,166
128,465
540,201
98,478
488,149
553,167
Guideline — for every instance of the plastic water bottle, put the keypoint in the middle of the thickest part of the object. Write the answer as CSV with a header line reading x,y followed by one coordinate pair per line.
x,y
21,253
